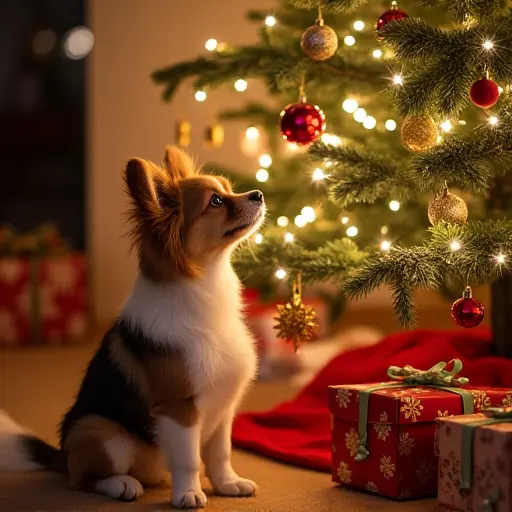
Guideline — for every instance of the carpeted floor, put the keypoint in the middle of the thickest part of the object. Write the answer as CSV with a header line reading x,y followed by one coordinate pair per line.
x,y
36,386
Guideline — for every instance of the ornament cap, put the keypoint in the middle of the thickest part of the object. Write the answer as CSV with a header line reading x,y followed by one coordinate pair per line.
x,y
319,22
394,6
467,293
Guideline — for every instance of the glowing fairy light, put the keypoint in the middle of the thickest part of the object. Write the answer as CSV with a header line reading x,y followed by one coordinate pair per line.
x,y
500,89
329,138
398,80
455,246
265,160
349,40
318,175
446,126
262,175
384,230
390,125
283,221
252,133
369,122
344,220
200,96
211,44
241,85
270,21
500,258
308,213
493,120
488,45
350,105
377,54
258,238
352,231
300,221
289,238
280,273
394,206
360,115
358,25
385,245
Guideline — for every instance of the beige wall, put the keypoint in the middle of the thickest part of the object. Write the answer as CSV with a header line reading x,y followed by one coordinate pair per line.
x,y
127,118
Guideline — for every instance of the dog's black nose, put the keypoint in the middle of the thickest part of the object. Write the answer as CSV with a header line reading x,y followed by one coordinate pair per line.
x,y
256,195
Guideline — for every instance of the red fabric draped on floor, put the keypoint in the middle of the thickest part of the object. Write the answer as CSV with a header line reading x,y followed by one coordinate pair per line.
x,y
298,432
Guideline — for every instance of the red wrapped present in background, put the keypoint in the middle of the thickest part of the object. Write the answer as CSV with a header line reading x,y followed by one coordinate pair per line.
x,y
383,435
43,293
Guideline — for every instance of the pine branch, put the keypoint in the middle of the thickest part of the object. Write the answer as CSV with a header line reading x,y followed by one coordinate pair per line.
x,y
329,5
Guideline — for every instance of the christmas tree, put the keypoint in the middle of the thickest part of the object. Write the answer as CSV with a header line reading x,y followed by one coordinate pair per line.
x,y
417,106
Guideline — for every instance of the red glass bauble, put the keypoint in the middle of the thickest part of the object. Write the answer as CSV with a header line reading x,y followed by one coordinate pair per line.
x,y
391,15
467,312
302,123
484,93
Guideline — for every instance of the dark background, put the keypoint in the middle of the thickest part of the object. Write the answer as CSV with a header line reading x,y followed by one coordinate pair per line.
x,y
42,104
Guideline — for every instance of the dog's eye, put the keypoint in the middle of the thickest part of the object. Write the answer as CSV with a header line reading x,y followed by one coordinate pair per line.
x,y
216,200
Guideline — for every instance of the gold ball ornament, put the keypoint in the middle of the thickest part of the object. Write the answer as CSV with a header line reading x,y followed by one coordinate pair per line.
x,y
319,41
448,208
419,133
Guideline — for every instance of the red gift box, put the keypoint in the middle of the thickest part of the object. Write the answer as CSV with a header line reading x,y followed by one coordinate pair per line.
x,y
401,462
42,299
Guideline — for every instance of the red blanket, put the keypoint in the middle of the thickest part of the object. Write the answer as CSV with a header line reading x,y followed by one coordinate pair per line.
x,y
298,432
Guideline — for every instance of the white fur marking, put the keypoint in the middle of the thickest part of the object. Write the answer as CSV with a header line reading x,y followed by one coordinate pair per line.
x,y
121,452
13,456
120,487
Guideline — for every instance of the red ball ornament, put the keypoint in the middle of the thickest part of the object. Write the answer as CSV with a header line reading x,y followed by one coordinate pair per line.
x,y
302,123
394,14
484,93
467,311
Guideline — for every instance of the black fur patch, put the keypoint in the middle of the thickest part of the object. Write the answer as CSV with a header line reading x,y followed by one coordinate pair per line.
x,y
44,454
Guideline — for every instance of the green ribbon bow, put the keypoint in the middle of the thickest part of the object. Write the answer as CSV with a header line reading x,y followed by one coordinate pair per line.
x,y
436,377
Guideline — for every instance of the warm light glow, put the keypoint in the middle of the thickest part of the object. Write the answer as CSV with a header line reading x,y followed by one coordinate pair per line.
x,y
258,238
369,122
270,21
439,139
289,238
394,205
390,125
500,258
329,138
377,54
455,246
318,175
446,126
488,45
240,85
200,95
252,133
211,44
350,105
352,231
398,80
500,89
291,146
349,40
265,160
78,43
300,221
358,25
493,120
283,221
385,245
280,273
384,230
262,175
344,220
308,213
360,115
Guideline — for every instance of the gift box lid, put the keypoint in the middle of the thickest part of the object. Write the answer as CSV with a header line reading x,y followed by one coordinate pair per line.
x,y
401,403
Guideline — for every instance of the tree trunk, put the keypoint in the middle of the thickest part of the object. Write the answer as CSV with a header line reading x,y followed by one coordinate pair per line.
x,y
501,316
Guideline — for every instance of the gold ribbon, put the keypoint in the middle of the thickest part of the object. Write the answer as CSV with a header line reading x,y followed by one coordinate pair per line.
x,y
436,377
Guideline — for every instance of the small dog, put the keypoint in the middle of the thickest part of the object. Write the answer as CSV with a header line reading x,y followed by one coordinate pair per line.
x,y
164,385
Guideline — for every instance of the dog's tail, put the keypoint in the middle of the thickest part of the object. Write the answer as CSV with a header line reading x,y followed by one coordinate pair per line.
x,y
21,451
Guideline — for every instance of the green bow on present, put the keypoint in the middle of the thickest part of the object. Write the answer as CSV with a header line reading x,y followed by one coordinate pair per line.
x,y
436,377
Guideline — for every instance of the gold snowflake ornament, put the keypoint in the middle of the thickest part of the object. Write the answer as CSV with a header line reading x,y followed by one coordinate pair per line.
x,y
296,321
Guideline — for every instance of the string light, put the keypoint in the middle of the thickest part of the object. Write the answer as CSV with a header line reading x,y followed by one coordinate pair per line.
x,y
270,21
446,126
308,213
352,231
258,238
369,122
358,25
329,138
265,160
390,125
500,258
211,44
493,120
455,246
241,85
398,80
377,54
291,146
360,115
384,230
289,238
349,40
78,43
252,133
262,175
283,221
200,95
350,105
344,220
280,273
488,45
500,89
394,205
318,175
385,245
300,221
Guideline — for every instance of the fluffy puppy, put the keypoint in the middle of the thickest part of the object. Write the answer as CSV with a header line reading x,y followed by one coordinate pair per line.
x,y
162,389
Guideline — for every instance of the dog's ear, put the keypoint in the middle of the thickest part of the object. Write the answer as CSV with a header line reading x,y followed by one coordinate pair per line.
x,y
142,182
178,163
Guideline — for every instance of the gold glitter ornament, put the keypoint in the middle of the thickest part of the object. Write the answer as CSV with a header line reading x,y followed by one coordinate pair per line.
x,y
419,133
296,321
448,208
319,41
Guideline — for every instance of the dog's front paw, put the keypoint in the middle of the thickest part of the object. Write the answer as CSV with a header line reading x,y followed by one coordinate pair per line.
x,y
236,487
191,498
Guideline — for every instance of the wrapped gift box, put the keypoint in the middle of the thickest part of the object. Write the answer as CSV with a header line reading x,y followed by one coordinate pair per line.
x,y
400,460
42,299
475,461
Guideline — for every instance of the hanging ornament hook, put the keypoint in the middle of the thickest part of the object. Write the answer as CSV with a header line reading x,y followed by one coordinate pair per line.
x,y
302,89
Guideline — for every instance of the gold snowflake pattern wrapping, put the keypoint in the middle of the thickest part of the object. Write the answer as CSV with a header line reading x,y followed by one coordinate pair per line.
x,y
296,321
507,401
387,467
383,429
480,399
344,474
411,408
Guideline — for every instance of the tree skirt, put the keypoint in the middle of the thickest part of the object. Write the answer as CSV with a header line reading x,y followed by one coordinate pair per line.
x,y
298,432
